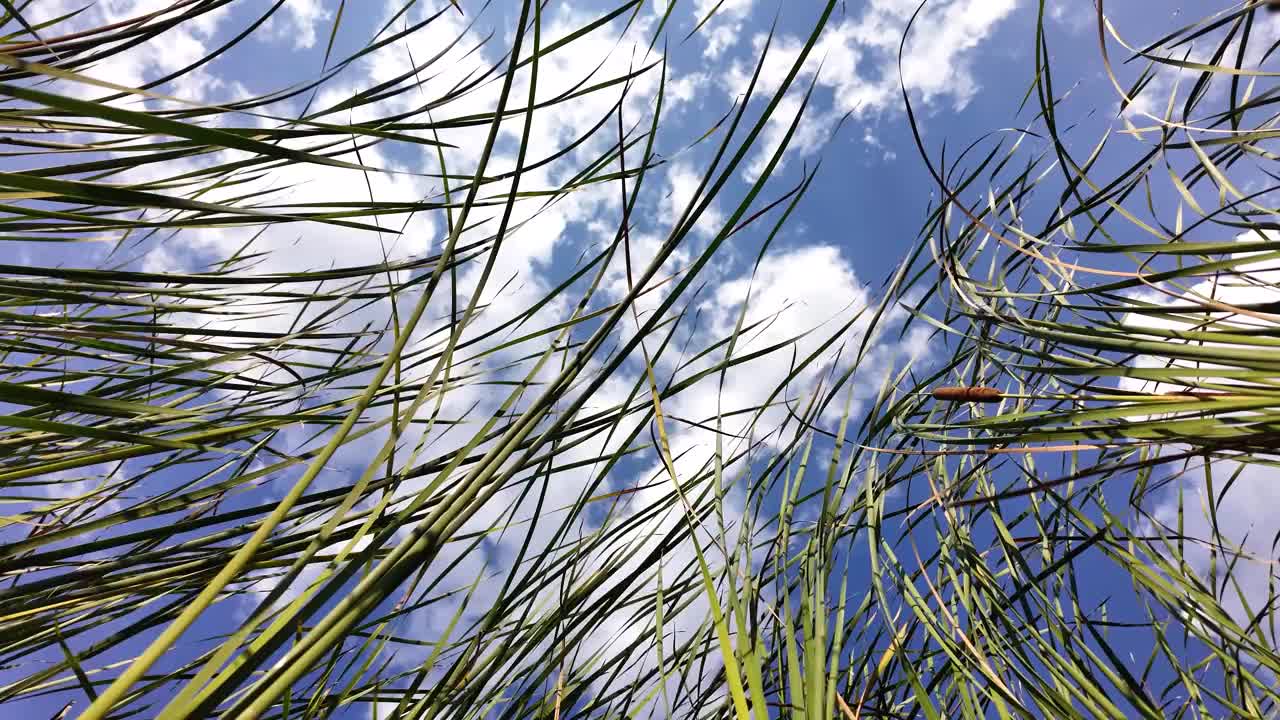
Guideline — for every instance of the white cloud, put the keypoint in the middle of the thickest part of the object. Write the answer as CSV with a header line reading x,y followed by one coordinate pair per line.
x,y
872,142
1076,17
687,88
305,17
857,60
859,56
808,136
683,181
1250,283
939,58
170,50
725,27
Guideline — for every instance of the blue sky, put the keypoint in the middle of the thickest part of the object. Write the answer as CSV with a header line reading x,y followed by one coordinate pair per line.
x,y
966,68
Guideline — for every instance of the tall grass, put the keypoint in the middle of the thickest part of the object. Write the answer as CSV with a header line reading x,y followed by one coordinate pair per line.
x,y
246,481
1108,301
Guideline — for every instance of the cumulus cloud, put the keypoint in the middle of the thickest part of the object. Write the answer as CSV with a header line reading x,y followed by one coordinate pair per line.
x,y
687,88
169,51
304,18
858,57
683,181
857,61
722,30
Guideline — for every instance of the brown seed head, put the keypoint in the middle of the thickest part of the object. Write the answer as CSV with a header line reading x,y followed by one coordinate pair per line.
x,y
968,394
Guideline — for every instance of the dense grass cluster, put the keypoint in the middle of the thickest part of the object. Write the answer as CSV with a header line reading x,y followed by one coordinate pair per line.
x,y
244,480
